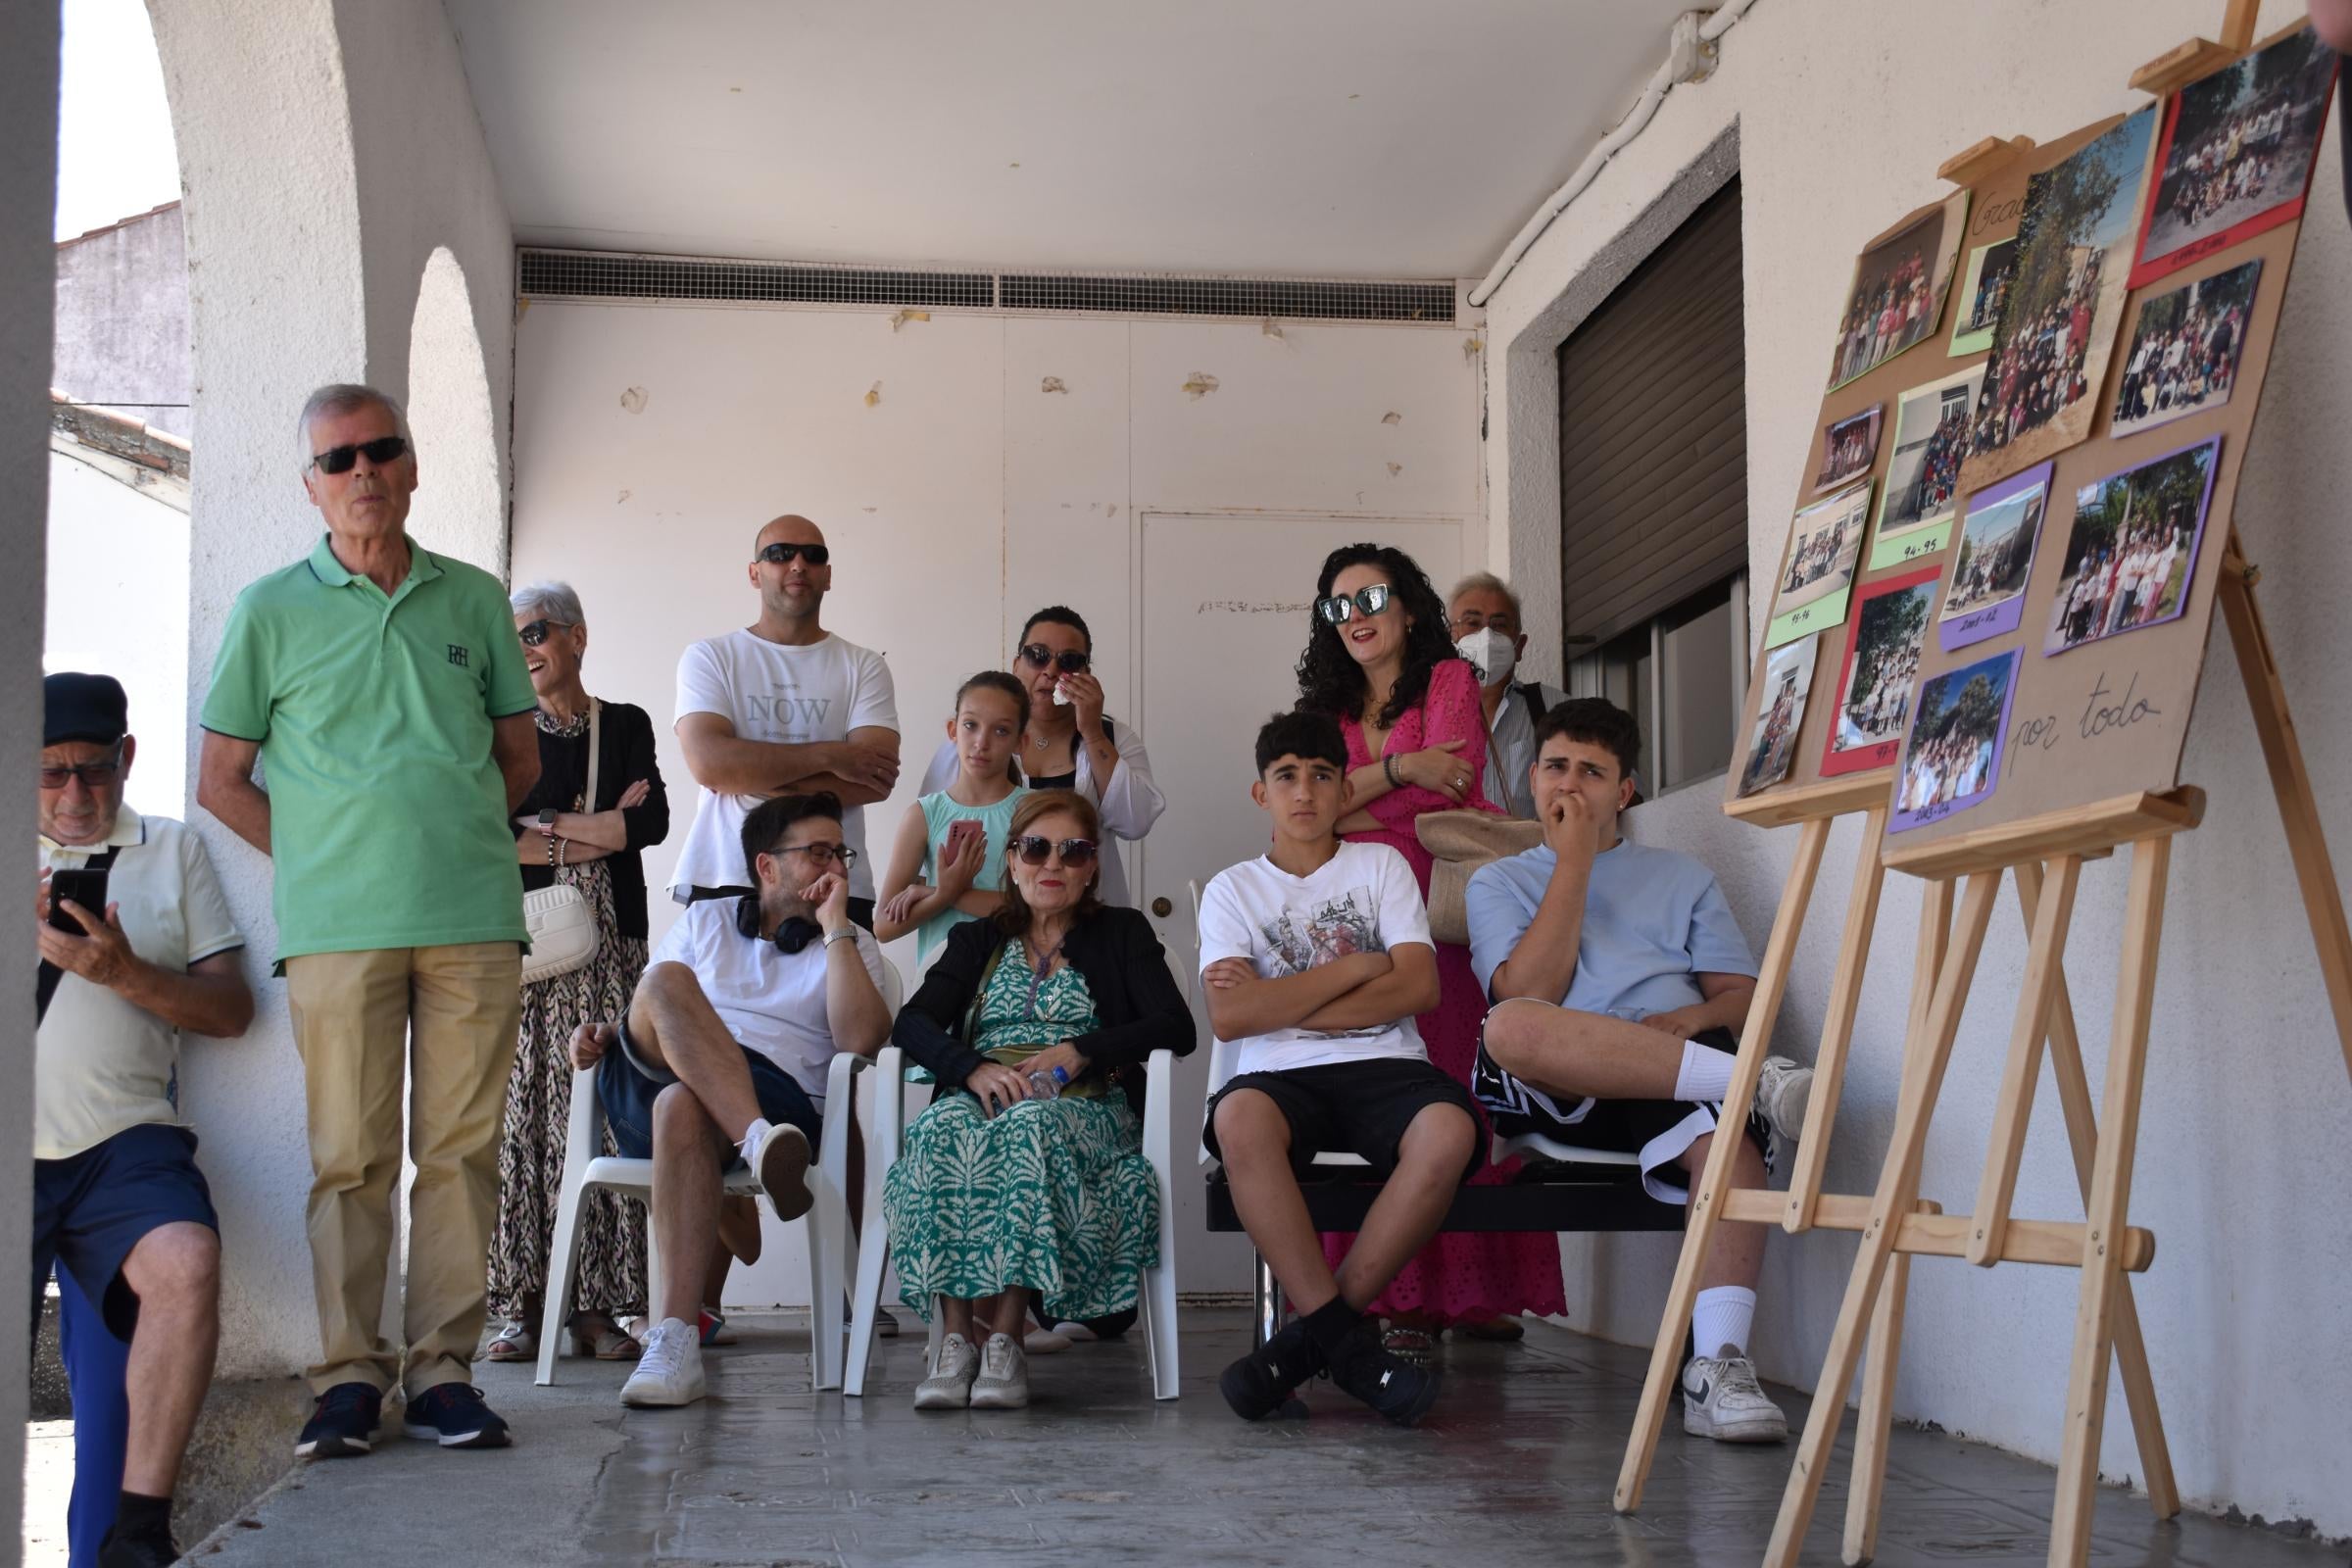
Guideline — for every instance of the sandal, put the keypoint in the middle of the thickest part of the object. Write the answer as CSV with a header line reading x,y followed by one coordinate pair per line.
x,y
515,1343
594,1333
1409,1345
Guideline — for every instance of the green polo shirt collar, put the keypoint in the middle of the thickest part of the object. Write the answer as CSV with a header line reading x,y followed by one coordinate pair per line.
x,y
422,567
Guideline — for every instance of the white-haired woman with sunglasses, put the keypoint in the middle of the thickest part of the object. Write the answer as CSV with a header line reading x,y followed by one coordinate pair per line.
x,y
1069,744
1027,1174
563,838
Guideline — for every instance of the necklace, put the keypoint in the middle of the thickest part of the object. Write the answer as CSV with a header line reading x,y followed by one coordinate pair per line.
x,y
577,725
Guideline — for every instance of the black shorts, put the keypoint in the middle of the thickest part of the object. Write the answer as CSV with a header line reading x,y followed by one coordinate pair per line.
x,y
90,1209
626,1087
1351,1107
1657,1131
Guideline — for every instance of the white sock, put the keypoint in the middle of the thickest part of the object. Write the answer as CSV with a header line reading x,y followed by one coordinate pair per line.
x,y
752,1137
1723,1315
1706,1073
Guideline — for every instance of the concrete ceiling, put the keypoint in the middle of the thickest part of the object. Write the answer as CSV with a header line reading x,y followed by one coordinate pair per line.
x,y
1374,138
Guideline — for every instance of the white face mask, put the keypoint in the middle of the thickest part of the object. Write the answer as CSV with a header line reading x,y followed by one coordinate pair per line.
x,y
1491,653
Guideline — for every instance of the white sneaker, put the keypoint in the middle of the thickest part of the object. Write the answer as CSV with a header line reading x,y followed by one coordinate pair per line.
x,y
779,1155
950,1387
1782,1095
1722,1399
669,1372
1044,1341
1003,1380
1076,1333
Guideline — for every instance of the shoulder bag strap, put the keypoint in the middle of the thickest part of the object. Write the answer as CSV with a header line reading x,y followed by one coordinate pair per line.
x,y
596,713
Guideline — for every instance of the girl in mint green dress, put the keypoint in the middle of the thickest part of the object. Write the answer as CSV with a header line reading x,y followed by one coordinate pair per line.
x,y
942,875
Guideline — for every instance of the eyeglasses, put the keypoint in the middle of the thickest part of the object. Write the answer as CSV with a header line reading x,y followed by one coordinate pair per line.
x,y
783,555
1034,848
1470,620
536,632
380,450
1339,609
1040,655
822,853
93,775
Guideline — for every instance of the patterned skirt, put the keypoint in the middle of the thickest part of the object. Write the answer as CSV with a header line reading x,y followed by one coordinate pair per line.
x,y
530,1154
1054,1195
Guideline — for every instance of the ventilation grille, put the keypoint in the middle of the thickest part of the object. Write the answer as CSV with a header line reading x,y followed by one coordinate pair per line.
x,y
592,275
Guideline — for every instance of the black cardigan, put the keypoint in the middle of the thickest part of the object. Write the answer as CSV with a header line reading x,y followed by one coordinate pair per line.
x,y
625,755
1137,1002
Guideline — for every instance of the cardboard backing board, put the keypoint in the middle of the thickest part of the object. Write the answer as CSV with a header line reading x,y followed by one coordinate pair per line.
x,y
2101,720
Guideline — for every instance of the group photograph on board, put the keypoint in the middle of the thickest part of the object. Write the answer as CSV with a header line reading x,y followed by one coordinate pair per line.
x,y
1899,289
1983,289
2133,548
2058,324
1923,476
2184,350
2238,152
1882,668
1825,545
1772,744
1986,597
1849,449
1954,758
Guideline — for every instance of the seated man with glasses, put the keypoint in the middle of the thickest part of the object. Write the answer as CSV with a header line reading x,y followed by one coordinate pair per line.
x,y
137,949
721,1058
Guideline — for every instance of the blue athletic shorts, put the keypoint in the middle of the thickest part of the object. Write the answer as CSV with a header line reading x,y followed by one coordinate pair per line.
x,y
627,1086
91,1208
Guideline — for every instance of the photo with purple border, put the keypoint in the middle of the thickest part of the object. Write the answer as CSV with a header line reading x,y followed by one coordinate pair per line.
x,y
2004,518
2132,551
1972,729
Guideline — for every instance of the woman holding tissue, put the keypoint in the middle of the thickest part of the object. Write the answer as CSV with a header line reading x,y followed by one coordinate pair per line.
x,y
1069,743
946,863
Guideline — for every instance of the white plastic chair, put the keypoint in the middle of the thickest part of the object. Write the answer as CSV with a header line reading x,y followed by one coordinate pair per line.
x,y
1157,1299
832,1245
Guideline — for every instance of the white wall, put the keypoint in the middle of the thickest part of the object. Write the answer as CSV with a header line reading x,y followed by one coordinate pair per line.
x,y
1836,115
960,501
28,200
118,601
317,190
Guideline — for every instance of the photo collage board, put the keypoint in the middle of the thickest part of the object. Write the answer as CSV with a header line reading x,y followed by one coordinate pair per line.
x,y
2024,625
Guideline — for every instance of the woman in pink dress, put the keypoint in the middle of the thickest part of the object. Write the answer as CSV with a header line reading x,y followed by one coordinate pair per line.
x,y
1417,741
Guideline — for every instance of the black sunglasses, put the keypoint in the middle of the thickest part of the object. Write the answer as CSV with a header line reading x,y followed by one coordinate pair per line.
x,y
1040,655
536,632
1340,607
380,450
1034,849
782,554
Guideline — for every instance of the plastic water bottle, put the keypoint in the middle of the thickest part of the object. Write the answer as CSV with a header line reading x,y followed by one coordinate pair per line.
x,y
1047,1085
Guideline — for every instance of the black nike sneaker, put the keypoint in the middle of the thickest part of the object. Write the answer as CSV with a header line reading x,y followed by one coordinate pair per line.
x,y
1262,1383
1382,1379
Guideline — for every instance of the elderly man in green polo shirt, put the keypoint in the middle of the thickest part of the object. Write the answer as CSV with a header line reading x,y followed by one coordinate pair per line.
x,y
385,690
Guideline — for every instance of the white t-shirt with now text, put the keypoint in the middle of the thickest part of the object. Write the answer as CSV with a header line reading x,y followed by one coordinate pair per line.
x,y
1363,900
778,695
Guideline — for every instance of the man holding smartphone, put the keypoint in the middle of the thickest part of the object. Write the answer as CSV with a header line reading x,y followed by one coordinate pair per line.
x,y
136,948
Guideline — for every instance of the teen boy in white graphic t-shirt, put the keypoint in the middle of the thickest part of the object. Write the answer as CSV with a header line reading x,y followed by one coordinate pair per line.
x,y
1315,957
782,707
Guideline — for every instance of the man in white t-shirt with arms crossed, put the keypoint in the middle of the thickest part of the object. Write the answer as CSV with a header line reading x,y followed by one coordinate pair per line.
x,y
782,707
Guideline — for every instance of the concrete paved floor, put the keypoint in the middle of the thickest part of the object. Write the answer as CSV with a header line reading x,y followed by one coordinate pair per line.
x,y
1516,1465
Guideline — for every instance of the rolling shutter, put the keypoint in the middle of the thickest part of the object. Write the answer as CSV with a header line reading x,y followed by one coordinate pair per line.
x,y
1653,434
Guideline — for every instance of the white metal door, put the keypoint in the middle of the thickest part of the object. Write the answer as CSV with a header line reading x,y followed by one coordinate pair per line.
x,y
1222,607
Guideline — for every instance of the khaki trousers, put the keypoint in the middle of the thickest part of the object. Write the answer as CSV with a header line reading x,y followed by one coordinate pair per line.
x,y
449,1014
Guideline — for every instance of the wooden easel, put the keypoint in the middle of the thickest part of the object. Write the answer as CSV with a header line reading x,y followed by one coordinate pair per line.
x,y
2045,856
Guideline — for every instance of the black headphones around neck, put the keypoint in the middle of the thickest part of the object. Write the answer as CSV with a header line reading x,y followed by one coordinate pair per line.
x,y
796,933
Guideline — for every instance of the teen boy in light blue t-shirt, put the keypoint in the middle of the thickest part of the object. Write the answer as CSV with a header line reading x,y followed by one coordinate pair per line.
x,y
1618,976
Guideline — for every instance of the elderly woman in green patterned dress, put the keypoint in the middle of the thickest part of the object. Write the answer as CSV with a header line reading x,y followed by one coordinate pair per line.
x,y
1005,1187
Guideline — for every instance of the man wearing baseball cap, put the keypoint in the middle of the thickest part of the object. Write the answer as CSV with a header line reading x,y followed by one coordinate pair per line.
x,y
118,1204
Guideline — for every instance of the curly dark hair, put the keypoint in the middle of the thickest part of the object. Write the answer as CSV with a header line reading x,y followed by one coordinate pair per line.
x,y
1332,682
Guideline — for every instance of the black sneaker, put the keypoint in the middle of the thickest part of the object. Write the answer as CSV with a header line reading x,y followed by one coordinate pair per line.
x,y
122,1550
343,1422
1381,1377
455,1416
1260,1384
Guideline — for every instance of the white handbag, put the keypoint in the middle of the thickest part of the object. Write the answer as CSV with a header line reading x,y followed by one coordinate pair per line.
x,y
562,930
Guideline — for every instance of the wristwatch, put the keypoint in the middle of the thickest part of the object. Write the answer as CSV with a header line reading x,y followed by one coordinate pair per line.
x,y
845,934
547,818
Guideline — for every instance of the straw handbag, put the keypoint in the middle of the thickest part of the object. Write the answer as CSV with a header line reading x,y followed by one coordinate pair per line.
x,y
1460,843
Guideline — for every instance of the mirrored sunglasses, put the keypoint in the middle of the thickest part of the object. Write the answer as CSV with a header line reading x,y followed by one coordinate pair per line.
x,y
1034,847
1342,607
536,632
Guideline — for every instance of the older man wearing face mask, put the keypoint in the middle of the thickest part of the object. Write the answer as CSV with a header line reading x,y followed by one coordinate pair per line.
x,y
1483,614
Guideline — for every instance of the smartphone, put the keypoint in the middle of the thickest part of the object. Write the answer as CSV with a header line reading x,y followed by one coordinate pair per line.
x,y
961,832
85,887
